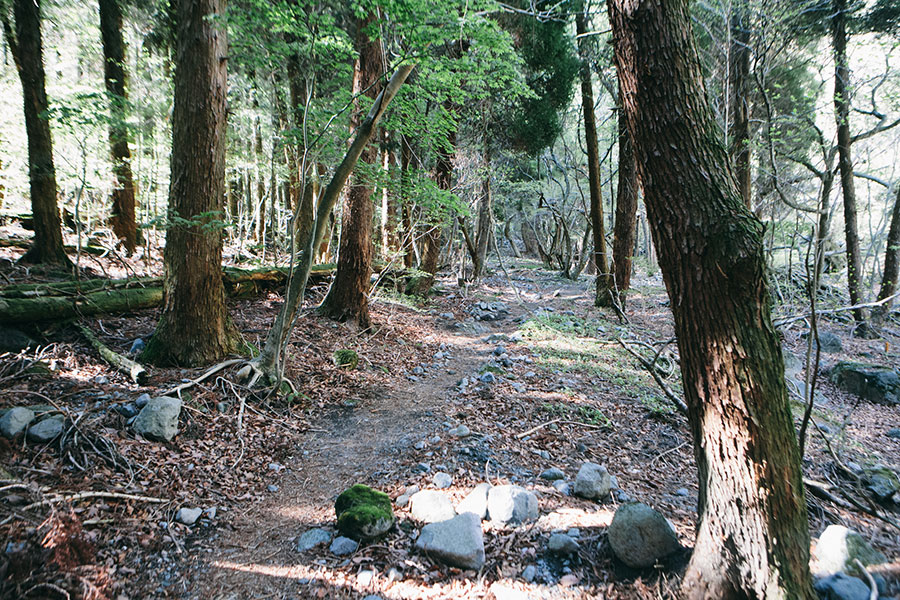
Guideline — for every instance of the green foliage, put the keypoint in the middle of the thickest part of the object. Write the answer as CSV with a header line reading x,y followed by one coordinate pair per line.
x,y
347,359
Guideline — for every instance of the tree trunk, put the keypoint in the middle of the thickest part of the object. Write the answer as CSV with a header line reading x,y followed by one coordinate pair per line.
x,y
485,221
605,284
845,160
752,537
348,297
194,327
123,215
626,212
739,70
408,162
26,48
891,259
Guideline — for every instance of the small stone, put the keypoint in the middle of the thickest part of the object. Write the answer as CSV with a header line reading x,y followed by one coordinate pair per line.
x,y
273,466
210,513
412,378
142,400
401,501
158,420
127,410
423,467
529,573
446,315
639,535
15,421
101,380
552,474
436,439
573,532
894,433
420,445
442,480
519,387
461,431
682,492
841,586
487,378
47,430
511,505
312,538
272,487
222,407
592,481
562,487
476,501
188,516
411,489
458,542
560,543
431,506
394,574
364,578
418,371
343,545
500,350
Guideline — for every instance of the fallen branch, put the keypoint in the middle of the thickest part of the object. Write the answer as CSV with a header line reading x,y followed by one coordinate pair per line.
x,y
210,372
134,370
536,428
873,587
87,495
833,311
651,368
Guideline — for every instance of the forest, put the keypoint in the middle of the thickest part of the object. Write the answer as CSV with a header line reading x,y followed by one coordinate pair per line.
x,y
420,299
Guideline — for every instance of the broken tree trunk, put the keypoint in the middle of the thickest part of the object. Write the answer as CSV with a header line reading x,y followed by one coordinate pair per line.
x,y
137,372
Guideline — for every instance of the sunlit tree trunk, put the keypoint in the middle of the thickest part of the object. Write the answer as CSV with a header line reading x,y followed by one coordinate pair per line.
x,y
625,227
739,101
752,537
891,258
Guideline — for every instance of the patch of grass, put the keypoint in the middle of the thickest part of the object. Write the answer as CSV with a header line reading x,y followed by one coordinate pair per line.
x,y
578,412
391,296
489,368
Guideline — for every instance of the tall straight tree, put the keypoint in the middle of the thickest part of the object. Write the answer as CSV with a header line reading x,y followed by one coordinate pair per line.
x,y
122,219
605,284
348,297
194,327
845,159
752,536
891,259
26,48
625,226
739,96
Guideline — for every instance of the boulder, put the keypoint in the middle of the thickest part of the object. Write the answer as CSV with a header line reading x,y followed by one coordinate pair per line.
x,y
458,542
592,481
841,587
511,505
837,548
476,502
15,421
871,382
431,506
363,513
46,430
639,535
312,538
158,420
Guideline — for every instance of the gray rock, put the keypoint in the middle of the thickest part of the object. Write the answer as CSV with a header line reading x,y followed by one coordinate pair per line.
x,y
882,482
639,535
47,430
188,516
829,342
343,545
562,487
442,480
411,489
499,350
418,371
312,538
511,505
127,410
842,587
272,487
476,501
871,382
553,474
210,513
142,400
461,431
394,574
681,492
423,467
15,421
519,387
446,315
894,433
487,378
364,578
560,543
529,573
837,548
431,506
158,420
13,340
137,346
420,445
401,501
592,481
458,542
573,532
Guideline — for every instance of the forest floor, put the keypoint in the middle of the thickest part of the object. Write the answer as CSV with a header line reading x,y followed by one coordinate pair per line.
x,y
270,468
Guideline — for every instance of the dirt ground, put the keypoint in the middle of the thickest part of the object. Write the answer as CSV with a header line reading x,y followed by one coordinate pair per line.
x,y
272,467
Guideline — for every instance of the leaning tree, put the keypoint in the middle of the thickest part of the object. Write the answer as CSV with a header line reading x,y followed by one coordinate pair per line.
x,y
752,537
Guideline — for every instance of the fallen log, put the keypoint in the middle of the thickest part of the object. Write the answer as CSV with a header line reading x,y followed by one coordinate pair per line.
x,y
137,372
64,300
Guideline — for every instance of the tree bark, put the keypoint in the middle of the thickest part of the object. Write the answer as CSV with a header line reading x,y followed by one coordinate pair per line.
x,y
605,284
739,70
625,226
194,327
484,226
26,48
123,212
348,297
891,258
408,162
845,160
752,537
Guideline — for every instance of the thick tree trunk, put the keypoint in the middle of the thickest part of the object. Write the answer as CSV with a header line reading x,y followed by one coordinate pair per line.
x,y
408,162
845,160
891,258
348,297
625,227
123,215
26,48
605,284
752,538
194,327
739,70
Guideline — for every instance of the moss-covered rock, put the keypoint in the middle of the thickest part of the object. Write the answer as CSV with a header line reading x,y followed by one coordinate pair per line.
x,y
363,513
347,359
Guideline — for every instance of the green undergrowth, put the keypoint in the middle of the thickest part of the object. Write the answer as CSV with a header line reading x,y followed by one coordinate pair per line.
x,y
391,296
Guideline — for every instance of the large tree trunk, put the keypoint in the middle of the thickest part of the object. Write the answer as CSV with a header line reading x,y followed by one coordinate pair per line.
x,y
626,212
891,259
845,161
605,284
348,297
739,71
484,227
752,537
27,51
194,327
409,162
123,216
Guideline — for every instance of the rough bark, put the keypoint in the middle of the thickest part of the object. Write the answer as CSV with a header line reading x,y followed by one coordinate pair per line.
x,y
605,284
624,230
484,226
348,297
122,219
752,537
194,327
891,258
845,159
408,162
26,48
739,100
